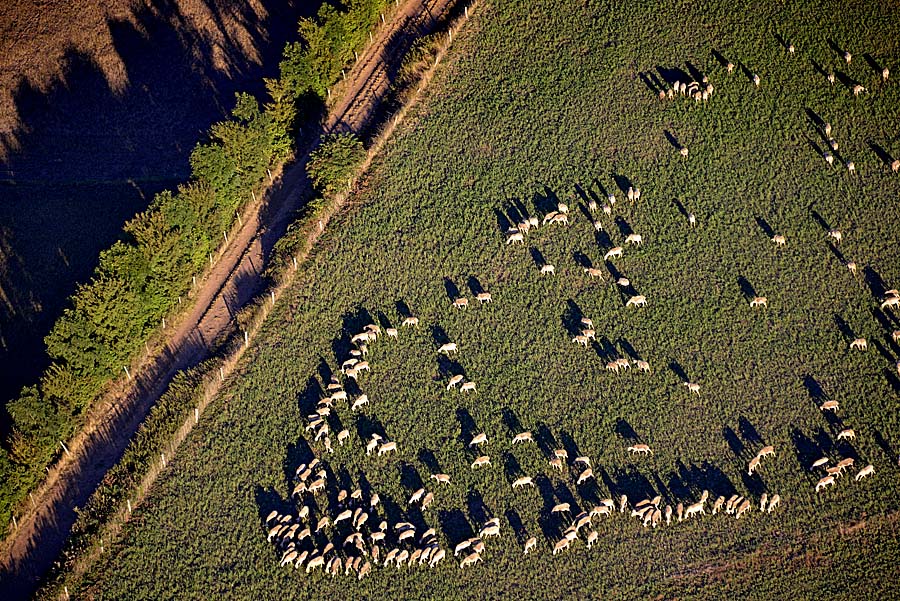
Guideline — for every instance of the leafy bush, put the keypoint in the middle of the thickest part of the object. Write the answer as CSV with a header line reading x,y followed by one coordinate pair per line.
x,y
334,160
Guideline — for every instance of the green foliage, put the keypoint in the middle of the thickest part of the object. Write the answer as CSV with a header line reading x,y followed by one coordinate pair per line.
x,y
140,278
536,98
337,156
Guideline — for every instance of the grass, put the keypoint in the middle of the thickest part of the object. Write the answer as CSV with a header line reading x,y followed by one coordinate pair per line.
x,y
532,102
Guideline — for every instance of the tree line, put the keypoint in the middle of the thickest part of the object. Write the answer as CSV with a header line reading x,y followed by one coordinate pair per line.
x,y
140,279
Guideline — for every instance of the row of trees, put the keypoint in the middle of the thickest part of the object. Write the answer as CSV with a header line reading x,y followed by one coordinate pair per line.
x,y
141,277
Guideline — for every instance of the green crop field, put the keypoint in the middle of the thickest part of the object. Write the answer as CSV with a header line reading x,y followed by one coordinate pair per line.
x,y
539,103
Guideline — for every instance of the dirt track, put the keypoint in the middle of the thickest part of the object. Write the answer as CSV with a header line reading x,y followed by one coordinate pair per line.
x,y
234,279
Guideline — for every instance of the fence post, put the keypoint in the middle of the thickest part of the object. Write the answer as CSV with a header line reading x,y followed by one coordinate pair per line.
x,y
221,375
246,339
272,296
294,259
196,415
129,505
65,448
163,457
127,373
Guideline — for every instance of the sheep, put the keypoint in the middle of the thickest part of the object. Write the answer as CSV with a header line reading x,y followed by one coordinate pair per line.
x,y
683,151
592,538
550,217
462,546
448,348
454,381
759,301
642,365
441,478
742,508
362,366
692,219
790,49
371,446
387,448
484,297
515,237
598,226
530,544
523,481
833,144
470,560
640,449
834,471
779,240
548,269
556,463
560,218
848,57
754,464
824,482
582,340
410,322
846,434
583,460
561,546
461,303
756,80
851,167
830,77
585,476
623,282
717,506
589,334
489,530
890,302
593,272
589,323
638,301
561,454
851,265
561,508
829,406
478,439
592,206
729,67
391,332
630,193
858,89
481,461
829,158
635,239
344,515
859,344
836,235
522,437
866,471
316,486
774,502
895,165
348,364
359,402
623,502
895,335
467,386
694,508
692,387
623,363
615,252
437,557
885,73
416,496
601,510
820,462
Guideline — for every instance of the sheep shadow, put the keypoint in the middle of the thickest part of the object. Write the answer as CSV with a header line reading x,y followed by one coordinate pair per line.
x,y
455,526
476,507
537,257
881,153
628,349
734,442
451,289
428,459
765,227
720,58
748,431
515,522
308,398
844,328
681,208
511,421
545,203
629,482
511,467
746,288
366,426
670,75
297,453
679,371
403,309
624,228
623,182
571,318
474,285
467,428
875,283
545,440
670,137
625,431
504,223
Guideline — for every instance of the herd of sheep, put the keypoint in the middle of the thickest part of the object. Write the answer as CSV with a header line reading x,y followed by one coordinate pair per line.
x,y
309,537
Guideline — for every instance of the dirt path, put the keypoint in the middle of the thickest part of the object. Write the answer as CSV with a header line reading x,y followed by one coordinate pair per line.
x,y
234,279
